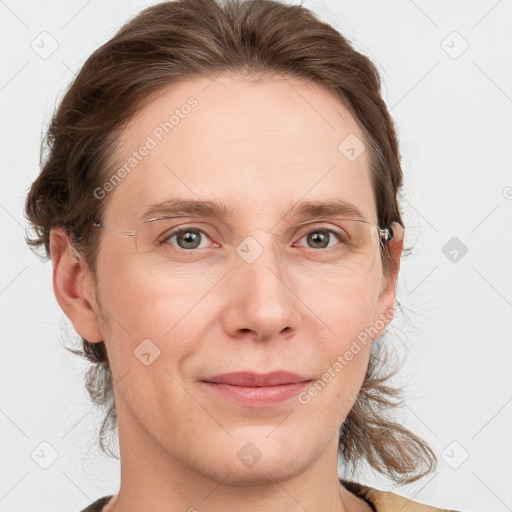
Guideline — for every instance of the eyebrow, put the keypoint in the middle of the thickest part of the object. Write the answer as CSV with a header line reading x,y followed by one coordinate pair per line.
x,y
221,211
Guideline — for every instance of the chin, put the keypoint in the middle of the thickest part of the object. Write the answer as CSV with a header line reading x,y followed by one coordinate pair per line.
x,y
258,455
264,472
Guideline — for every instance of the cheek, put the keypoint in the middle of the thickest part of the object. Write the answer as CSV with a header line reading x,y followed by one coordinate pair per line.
x,y
180,313
344,308
161,316
335,315
345,315
143,302
141,306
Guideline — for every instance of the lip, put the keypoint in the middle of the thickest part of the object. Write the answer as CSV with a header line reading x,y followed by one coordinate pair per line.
x,y
252,379
257,389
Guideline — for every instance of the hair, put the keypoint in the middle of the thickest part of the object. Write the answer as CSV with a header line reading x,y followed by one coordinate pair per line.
x,y
183,39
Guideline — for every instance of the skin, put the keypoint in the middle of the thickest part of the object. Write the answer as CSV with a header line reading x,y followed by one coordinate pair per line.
x,y
261,145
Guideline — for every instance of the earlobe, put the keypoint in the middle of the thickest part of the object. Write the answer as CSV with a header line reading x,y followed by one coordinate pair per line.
x,y
73,286
385,305
395,245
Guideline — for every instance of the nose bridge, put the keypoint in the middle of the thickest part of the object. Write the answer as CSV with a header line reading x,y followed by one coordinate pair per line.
x,y
259,251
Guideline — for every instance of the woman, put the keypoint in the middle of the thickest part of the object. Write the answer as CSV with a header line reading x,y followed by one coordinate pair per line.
x,y
220,205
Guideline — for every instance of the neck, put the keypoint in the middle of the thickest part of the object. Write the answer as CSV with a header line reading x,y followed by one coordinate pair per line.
x,y
152,479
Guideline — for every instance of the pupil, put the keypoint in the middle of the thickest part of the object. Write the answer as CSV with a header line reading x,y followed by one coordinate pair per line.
x,y
319,237
188,237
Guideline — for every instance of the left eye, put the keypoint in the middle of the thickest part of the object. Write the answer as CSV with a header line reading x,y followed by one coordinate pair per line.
x,y
321,237
192,238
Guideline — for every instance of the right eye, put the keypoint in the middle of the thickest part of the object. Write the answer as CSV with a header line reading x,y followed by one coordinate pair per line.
x,y
186,238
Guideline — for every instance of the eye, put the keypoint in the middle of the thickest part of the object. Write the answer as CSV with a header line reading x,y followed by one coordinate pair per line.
x,y
187,238
321,238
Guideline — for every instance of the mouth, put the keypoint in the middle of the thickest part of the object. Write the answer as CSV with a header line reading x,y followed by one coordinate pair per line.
x,y
256,389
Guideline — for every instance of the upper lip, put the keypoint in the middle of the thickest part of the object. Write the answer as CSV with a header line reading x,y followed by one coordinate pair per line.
x,y
250,379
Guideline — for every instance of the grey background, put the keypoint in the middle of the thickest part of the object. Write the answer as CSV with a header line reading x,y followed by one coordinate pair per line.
x,y
452,106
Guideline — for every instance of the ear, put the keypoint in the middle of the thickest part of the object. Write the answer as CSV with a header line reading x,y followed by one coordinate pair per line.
x,y
386,302
73,285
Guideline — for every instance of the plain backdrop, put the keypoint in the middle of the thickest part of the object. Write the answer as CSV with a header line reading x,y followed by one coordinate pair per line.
x,y
447,78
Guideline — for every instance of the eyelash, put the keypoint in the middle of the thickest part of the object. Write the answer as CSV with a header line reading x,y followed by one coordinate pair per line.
x,y
340,236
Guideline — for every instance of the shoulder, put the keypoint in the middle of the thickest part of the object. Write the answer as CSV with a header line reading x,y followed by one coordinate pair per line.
x,y
385,501
98,505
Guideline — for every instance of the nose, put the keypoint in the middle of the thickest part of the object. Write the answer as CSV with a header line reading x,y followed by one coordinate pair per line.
x,y
263,304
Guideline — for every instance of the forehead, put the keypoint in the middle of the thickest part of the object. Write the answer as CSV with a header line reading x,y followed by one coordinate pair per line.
x,y
258,144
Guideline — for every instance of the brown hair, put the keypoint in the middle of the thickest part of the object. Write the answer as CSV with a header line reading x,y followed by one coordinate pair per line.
x,y
183,39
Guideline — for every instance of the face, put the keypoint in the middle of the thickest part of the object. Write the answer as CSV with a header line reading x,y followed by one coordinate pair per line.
x,y
260,147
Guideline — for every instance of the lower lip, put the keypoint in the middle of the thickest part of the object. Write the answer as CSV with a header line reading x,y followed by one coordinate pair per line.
x,y
263,396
